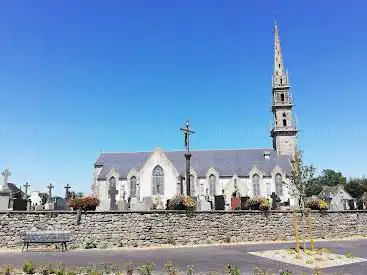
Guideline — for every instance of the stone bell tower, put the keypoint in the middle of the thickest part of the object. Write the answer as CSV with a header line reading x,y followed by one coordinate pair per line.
x,y
284,131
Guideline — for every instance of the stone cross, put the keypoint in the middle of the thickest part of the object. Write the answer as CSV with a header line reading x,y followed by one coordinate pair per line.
x,y
26,186
67,194
274,198
6,175
112,193
5,187
50,187
187,131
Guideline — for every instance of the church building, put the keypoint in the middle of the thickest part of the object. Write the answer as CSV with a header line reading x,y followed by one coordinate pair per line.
x,y
120,177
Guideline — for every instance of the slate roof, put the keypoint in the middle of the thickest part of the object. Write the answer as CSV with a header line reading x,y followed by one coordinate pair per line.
x,y
326,190
226,162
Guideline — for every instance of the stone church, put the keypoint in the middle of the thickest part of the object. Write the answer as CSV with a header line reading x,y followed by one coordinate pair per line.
x,y
119,177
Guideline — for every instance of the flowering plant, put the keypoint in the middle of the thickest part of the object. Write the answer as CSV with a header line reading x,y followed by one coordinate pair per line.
x,y
182,202
86,203
265,205
317,204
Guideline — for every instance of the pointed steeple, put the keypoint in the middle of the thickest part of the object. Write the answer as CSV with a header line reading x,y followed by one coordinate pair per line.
x,y
280,76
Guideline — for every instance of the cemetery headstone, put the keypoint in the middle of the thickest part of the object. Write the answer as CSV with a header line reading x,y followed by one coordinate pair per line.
x,y
67,193
219,202
26,186
5,194
147,203
112,193
244,203
20,205
235,203
61,204
274,201
122,205
204,205
50,205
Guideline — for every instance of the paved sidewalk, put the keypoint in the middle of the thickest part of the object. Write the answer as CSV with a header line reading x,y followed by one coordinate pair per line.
x,y
204,259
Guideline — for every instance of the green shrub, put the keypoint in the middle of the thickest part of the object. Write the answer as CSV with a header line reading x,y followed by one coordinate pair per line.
x,y
90,243
7,269
190,270
232,270
28,268
317,204
171,269
348,255
129,268
146,268
182,202
45,269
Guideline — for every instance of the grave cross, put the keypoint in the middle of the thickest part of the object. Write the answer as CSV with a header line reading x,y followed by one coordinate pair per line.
x,y
112,192
50,187
26,186
6,175
5,186
274,198
187,131
67,193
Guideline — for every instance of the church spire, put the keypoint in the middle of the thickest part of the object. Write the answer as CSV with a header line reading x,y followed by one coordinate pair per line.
x,y
280,76
284,132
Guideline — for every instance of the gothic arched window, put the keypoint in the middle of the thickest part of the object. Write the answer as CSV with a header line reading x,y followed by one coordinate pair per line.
x,y
284,122
212,183
256,184
133,186
158,181
278,185
282,97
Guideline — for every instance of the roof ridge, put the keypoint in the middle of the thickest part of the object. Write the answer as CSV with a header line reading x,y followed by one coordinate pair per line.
x,y
196,150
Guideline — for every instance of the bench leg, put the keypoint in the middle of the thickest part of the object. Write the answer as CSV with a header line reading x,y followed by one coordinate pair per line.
x,y
27,246
23,247
66,248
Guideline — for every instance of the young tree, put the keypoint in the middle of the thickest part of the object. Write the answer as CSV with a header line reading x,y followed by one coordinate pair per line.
x,y
301,177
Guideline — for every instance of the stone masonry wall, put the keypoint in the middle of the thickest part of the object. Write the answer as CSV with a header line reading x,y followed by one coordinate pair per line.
x,y
111,229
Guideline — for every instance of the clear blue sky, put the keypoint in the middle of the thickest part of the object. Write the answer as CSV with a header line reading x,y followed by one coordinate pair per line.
x,y
81,77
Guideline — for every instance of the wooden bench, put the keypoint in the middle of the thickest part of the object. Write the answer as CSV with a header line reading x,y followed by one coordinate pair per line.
x,y
47,237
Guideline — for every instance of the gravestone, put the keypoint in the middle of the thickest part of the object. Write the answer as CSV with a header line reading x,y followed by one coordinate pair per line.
x,y
274,201
20,205
67,193
5,193
112,192
204,205
39,207
122,205
50,204
136,205
219,202
244,203
147,203
61,204
235,203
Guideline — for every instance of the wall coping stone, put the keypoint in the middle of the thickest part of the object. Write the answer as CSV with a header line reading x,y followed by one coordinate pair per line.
x,y
175,212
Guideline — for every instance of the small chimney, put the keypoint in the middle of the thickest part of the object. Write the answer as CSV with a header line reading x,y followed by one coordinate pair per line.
x,y
267,155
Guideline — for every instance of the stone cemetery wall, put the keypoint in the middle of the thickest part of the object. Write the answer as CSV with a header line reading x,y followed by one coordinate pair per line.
x,y
117,229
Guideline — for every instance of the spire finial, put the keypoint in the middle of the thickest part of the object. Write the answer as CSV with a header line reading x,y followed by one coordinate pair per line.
x,y
279,76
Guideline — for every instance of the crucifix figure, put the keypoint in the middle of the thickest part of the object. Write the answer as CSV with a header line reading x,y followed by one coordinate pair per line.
x,y
67,193
187,131
26,186
112,192
50,187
